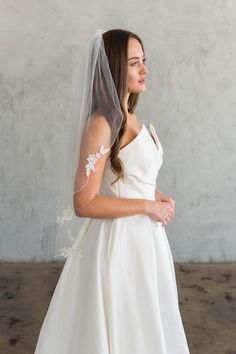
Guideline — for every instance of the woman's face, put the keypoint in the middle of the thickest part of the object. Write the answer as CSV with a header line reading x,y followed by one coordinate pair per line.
x,y
136,67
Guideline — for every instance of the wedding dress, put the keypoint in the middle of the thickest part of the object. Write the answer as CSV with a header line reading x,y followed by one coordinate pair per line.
x,y
117,291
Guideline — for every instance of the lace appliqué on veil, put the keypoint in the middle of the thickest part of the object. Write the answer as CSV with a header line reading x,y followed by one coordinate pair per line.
x,y
69,251
92,158
68,212
67,215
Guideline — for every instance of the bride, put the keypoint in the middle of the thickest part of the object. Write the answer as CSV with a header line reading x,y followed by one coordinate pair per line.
x,y
117,292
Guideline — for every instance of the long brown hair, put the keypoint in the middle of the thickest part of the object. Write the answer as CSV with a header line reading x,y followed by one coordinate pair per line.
x,y
116,47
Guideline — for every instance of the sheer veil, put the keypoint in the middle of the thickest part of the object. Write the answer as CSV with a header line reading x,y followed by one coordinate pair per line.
x,y
93,95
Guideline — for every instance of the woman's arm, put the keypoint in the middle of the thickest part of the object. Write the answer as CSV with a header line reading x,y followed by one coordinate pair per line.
x,y
88,202
108,207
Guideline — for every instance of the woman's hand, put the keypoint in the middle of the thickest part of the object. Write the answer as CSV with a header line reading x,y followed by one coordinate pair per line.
x,y
161,197
160,211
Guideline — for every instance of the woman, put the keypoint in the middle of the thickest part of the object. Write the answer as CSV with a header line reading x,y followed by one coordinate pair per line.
x,y
117,292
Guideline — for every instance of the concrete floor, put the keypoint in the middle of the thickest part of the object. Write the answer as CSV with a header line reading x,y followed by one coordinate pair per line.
x,y
207,299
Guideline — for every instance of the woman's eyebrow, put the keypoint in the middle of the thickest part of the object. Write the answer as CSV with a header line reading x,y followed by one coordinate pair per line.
x,y
136,57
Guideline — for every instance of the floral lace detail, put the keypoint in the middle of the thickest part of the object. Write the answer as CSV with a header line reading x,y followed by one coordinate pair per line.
x,y
69,235
68,212
69,251
92,158
67,215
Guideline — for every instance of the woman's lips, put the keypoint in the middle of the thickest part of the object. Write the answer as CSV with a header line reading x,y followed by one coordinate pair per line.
x,y
141,81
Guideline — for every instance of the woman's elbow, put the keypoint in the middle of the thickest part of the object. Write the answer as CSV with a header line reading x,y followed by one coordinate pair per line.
x,y
81,208
78,212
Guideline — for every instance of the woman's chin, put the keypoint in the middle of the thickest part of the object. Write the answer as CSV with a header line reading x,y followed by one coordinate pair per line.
x,y
139,90
143,89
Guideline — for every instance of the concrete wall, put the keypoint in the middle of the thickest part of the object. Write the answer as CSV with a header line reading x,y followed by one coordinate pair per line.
x,y
190,98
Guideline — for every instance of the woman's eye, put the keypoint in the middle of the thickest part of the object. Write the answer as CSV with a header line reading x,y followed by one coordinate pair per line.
x,y
144,61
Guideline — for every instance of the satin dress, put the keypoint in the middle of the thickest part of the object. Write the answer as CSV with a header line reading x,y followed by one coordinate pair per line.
x,y
117,292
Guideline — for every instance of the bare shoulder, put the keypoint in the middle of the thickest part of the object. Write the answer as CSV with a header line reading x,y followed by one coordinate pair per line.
x,y
97,133
99,123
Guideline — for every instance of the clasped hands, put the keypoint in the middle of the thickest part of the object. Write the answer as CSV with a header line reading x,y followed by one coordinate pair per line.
x,y
161,197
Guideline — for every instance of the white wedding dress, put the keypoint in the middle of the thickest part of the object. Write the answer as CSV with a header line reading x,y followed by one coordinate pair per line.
x,y
117,291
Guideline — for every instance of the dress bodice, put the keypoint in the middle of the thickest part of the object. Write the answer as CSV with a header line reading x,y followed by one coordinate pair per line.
x,y
142,159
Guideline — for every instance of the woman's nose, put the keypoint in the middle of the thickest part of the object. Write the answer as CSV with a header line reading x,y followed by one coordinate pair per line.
x,y
144,69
